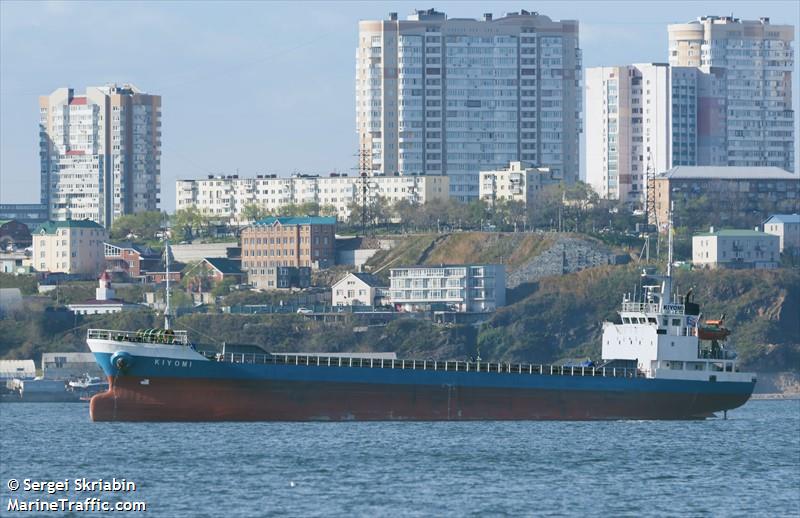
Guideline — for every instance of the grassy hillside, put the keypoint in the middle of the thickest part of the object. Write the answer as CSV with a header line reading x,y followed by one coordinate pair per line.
x,y
511,249
561,319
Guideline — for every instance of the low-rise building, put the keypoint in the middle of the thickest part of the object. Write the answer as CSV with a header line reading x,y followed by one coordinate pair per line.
x,y
193,252
104,302
70,246
468,288
14,235
735,249
16,262
64,366
516,183
356,251
279,277
226,197
223,269
735,193
31,214
359,289
787,228
289,241
131,259
17,369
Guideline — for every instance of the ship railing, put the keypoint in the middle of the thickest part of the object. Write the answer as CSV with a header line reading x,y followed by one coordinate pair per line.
x,y
147,336
426,365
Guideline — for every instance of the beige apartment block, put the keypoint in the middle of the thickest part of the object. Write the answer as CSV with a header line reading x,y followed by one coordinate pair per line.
x,y
70,246
751,62
455,96
735,192
100,152
735,249
517,182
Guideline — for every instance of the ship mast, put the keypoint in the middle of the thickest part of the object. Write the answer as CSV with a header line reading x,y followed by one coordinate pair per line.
x,y
167,310
666,294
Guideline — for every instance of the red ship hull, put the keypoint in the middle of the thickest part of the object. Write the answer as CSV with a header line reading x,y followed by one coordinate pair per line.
x,y
182,399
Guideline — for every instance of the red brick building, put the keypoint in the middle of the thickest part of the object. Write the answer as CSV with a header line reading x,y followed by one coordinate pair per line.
x,y
291,241
133,260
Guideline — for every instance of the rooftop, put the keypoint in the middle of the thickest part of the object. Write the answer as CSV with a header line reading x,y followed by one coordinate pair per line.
x,y
368,279
69,357
50,227
728,173
784,218
224,265
297,220
143,250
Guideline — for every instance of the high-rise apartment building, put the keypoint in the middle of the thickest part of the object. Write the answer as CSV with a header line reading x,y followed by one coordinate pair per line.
x,y
100,153
748,78
629,128
456,96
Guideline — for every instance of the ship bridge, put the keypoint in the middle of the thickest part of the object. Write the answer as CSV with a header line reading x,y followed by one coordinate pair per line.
x,y
661,335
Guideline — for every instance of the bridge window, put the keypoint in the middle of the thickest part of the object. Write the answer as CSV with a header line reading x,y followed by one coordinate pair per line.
x,y
676,321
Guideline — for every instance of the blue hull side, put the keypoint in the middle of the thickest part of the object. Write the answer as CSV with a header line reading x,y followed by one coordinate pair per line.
x,y
162,389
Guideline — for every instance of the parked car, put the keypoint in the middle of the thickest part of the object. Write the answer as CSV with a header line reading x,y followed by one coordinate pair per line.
x,y
304,311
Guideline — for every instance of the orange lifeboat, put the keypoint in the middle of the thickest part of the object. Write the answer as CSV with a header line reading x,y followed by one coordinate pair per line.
x,y
713,330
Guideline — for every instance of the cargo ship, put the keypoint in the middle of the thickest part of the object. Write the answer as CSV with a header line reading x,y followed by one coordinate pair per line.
x,y
659,361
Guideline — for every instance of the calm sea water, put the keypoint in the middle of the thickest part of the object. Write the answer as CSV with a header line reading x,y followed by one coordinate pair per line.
x,y
747,465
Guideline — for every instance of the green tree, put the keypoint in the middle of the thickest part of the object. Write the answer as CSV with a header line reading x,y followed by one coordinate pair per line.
x,y
138,227
222,288
187,222
405,211
311,208
197,277
253,212
328,210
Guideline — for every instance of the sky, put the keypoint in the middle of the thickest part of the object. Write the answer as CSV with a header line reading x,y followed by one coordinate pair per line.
x,y
263,87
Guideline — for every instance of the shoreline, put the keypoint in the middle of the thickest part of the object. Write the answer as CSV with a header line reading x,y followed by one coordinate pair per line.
x,y
776,396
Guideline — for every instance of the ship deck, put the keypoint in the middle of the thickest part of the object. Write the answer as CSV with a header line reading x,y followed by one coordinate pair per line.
x,y
428,365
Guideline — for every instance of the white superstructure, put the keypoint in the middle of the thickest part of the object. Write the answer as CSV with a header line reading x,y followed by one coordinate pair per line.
x,y
666,338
